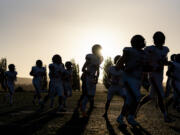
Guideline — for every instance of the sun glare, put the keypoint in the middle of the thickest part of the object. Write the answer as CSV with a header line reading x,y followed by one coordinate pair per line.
x,y
107,41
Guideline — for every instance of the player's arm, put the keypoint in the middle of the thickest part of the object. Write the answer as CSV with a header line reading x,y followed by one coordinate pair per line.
x,y
88,59
84,67
15,77
121,61
170,69
109,75
97,75
165,60
32,72
43,73
52,70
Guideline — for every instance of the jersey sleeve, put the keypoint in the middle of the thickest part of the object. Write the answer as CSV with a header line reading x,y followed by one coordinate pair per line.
x,y
126,52
16,73
88,58
32,71
51,68
166,49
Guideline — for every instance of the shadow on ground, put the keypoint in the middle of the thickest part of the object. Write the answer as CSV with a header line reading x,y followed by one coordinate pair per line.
x,y
30,124
139,130
76,125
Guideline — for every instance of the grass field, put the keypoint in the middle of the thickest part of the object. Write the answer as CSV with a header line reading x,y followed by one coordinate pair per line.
x,y
24,118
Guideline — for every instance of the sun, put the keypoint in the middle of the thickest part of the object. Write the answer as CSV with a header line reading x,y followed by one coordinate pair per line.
x,y
107,43
107,51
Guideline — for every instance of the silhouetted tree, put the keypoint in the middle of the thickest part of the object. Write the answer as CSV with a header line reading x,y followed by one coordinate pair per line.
x,y
3,68
75,76
3,64
107,63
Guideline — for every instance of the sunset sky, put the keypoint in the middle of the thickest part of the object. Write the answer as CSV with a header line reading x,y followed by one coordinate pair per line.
x,y
38,29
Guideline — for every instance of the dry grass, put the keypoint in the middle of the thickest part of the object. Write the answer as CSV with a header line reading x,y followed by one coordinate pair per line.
x,y
23,118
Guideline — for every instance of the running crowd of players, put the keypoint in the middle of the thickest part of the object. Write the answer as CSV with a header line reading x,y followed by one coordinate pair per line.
x,y
139,65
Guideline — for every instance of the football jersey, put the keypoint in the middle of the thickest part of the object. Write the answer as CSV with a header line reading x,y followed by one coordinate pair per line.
x,y
176,71
11,76
156,56
134,60
116,75
93,63
56,71
68,75
37,72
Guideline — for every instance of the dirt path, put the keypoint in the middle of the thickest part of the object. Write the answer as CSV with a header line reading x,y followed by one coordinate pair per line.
x,y
26,120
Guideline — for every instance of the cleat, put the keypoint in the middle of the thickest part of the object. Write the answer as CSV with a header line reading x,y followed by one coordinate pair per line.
x,y
121,122
131,121
105,115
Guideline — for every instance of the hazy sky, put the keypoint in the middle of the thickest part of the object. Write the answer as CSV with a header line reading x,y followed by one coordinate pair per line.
x,y
38,29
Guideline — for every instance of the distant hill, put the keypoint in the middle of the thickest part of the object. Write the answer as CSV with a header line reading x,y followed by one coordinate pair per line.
x,y
24,81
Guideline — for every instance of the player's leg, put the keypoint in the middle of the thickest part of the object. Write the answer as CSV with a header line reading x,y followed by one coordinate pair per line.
x,y
168,87
157,84
65,97
11,92
147,98
35,94
108,101
48,96
91,98
133,87
69,90
124,112
65,86
38,94
83,94
60,93
176,88
92,95
88,93
34,99
52,96
84,103
61,106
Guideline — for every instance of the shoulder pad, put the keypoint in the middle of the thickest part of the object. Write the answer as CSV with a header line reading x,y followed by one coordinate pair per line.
x,y
89,56
127,49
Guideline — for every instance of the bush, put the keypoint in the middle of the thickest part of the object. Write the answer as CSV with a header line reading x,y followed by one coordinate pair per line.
x,y
107,63
75,76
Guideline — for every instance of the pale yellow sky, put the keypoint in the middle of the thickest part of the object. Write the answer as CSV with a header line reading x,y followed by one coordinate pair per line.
x,y
38,29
